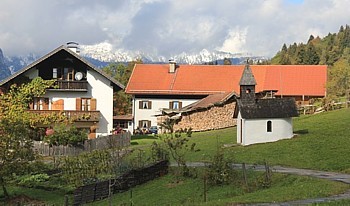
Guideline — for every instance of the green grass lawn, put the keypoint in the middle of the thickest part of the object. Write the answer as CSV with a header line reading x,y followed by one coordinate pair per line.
x,y
49,197
325,147
167,191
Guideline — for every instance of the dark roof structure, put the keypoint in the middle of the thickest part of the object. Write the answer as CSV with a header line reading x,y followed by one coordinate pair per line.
x,y
252,108
267,108
212,100
247,76
65,48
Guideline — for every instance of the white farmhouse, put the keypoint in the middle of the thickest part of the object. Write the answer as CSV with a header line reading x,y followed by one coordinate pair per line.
x,y
193,90
83,92
262,120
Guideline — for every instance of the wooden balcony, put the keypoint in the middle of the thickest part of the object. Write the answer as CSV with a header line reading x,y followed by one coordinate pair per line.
x,y
64,85
77,116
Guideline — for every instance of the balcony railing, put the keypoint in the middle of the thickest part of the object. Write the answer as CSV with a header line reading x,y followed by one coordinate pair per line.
x,y
65,85
77,116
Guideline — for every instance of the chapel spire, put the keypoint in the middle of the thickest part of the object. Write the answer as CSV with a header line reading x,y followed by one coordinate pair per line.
x,y
247,85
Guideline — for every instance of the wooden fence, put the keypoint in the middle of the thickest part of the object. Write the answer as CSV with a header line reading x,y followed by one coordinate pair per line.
x,y
101,190
106,142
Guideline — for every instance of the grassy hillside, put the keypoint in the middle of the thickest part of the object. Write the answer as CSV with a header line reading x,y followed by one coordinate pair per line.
x,y
167,191
325,146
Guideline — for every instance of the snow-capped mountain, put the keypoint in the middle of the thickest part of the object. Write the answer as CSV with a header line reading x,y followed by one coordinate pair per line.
x,y
106,53
102,54
10,65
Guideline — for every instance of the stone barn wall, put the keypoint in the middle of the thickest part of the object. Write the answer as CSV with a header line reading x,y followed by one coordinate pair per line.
x,y
216,117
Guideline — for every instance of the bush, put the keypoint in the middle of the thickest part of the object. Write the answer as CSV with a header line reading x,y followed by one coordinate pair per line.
x,y
33,180
219,171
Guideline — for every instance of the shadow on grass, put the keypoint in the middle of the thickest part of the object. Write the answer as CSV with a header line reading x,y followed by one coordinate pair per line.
x,y
302,131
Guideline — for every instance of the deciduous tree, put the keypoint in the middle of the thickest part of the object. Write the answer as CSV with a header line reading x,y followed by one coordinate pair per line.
x,y
15,123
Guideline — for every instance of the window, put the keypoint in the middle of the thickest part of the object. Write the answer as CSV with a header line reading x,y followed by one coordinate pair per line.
x,y
40,103
85,104
145,105
68,74
269,126
175,105
54,73
144,124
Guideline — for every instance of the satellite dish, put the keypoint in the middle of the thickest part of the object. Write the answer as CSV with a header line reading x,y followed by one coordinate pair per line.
x,y
78,76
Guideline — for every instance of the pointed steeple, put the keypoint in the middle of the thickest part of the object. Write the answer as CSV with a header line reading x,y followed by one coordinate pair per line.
x,y
247,86
247,77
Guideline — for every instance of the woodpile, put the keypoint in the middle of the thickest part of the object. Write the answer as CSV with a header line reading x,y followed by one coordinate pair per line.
x,y
216,117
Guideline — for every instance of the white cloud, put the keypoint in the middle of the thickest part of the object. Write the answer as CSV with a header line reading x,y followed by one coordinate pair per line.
x,y
235,42
167,26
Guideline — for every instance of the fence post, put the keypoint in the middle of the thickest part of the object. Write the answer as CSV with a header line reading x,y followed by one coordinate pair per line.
x,y
66,202
131,203
205,181
244,170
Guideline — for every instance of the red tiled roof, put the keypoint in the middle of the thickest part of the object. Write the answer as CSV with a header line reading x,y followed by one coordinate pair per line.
x,y
291,80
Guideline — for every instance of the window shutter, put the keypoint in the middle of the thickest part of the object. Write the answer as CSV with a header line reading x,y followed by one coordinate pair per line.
x,y
60,104
31,105
140,123
78,104
171,105
45,103
148,124
180,105
140,104
149,105
93,102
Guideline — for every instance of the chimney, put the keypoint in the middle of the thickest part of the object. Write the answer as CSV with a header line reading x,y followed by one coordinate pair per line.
x,y
172,66
73,46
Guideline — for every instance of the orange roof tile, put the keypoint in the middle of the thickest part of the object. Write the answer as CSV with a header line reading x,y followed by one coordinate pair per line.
x,y
292,80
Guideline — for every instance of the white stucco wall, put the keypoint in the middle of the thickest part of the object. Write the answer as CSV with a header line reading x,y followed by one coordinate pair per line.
x,y
255,130
102,90
99,88
157,105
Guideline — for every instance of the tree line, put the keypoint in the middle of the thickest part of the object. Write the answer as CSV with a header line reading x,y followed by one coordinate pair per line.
x,y
332,50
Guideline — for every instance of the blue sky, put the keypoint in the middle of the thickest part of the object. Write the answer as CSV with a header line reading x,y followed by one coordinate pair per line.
x,y
295,1
167,27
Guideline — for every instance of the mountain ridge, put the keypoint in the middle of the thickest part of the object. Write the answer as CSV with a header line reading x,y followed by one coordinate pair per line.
x,y
102,54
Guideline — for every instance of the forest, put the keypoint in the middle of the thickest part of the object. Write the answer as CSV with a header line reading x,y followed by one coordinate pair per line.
x,y
332,50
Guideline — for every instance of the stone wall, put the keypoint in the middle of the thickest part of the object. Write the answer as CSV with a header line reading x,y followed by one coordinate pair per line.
x,y
216,117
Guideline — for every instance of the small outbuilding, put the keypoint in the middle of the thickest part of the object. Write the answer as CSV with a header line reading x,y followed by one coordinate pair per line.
x,y
262,120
